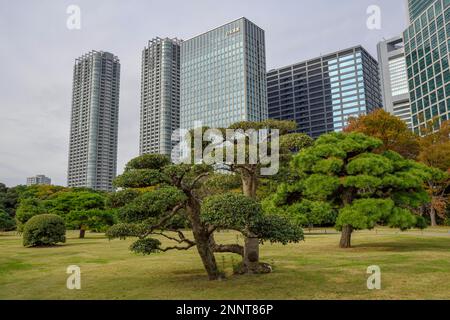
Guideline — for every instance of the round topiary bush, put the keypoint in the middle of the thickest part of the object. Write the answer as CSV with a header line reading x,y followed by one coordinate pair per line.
x,y
44,230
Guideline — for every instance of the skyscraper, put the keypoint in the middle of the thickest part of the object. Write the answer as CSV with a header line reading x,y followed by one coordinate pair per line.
x,y
223,76
427,42
394,79
322,93
40,179
416,7
94,124
160,95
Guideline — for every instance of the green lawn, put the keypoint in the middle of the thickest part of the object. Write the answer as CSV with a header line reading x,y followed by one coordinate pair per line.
x,y
413,266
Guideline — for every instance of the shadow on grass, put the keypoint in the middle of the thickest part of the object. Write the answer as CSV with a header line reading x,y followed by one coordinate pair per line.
x,y
407,245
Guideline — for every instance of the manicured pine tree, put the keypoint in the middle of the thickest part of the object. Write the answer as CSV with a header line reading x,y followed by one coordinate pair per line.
x,y
342,175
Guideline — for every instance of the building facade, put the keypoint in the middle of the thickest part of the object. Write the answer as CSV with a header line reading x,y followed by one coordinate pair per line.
x,y
40,179
322,93
427,42
416,7
160,95
394,79
223,76
94,122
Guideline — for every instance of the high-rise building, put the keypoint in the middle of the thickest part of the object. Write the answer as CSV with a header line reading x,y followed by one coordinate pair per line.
x,y
94,124
40,179
160,95
416,7
394,79
322,93
427,41
223,76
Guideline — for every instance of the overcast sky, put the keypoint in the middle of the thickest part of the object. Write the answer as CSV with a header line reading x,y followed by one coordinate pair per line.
x,y
37,53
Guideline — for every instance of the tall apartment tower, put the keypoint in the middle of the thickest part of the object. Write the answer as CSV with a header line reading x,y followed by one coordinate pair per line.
x,y
427,41
394,79
95,115
322,93
160,95
223,76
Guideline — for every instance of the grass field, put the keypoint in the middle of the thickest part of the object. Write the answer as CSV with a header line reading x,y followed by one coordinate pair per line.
x,y
414,265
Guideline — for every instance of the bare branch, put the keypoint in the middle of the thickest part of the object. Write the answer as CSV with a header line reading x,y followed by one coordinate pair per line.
x,y
177,248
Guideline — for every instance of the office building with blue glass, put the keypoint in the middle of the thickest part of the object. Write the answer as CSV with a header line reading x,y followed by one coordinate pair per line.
x,y
322,93
223,76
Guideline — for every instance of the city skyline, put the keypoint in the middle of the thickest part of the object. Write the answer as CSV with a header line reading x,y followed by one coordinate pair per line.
x,y
26,101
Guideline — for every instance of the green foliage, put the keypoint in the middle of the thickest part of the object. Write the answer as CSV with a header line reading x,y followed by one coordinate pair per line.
x,y
151,204
277,228
27,209
65,202
9,198
360,187
120,198
148,161
294,142
320,187
238,212
96,220
138,178
6,222
421,223
56,200
231,211
220,183
146,246
124,230
365,213
44,230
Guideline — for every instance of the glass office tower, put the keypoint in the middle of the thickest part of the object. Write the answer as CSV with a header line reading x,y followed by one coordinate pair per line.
x,y
223,76
322,93
416,7
427,42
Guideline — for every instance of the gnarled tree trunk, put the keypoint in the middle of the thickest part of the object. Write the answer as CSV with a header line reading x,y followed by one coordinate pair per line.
x,y
202,240
346,236
82,233
250,261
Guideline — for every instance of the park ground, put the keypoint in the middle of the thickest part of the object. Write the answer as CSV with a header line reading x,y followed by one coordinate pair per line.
x,y
414,265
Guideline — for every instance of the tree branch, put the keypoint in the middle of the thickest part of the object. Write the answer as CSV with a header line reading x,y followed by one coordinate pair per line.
x,y
199,177
177,248
164,220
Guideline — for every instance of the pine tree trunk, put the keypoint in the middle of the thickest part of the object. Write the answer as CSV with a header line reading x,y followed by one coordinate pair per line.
x,y
202,240
250,261
251,254
249,185
346,236
433,217
82,233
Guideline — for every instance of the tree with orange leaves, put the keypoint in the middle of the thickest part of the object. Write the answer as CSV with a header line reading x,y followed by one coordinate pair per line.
x,y
392,131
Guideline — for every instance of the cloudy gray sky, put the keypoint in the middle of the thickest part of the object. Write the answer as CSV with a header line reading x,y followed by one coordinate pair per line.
x,y
37,53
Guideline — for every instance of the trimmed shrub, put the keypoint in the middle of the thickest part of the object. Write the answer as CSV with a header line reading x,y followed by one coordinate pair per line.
x,y
44,230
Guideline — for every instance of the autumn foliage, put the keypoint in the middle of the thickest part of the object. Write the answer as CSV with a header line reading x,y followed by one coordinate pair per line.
x,y
393,132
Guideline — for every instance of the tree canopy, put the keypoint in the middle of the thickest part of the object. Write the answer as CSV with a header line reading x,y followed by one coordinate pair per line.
x,y
156,192
342,176
392,131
